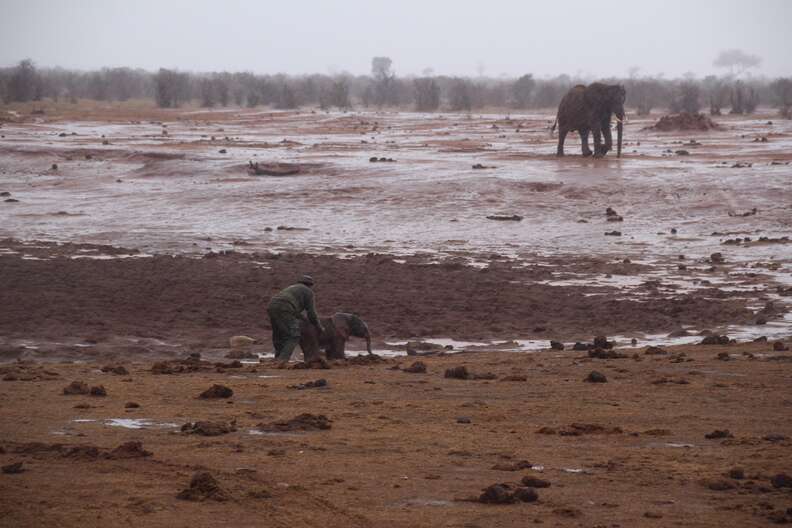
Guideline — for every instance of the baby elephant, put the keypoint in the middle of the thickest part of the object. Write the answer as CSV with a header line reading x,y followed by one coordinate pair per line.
x,y
338,329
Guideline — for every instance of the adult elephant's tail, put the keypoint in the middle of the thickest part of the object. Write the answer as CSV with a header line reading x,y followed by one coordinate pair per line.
x,y
552,128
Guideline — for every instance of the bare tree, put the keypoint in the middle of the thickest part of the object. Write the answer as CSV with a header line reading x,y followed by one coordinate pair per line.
x,y
171,88
336,94
782,88
521,91
459,96
549,92
717,92
384,92
644,94
287,99
744,99
25,83
737,61
427,94
686,98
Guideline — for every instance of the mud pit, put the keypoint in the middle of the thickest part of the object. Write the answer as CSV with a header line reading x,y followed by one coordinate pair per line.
x,y
155,247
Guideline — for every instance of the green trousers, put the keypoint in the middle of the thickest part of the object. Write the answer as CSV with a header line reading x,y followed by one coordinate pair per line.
x,y
285,331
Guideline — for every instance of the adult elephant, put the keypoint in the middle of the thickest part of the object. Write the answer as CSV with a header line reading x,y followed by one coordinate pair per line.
x,y
588,109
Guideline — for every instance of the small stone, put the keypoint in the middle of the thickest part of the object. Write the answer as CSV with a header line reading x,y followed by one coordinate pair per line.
x,y
720,485
719,433
596,377
217,391
131,405
457,373
497,494
737,473
76,387
715,340
525,495
781,480
556,345
534,482
419,367
12,469
463,420
99,390
602,342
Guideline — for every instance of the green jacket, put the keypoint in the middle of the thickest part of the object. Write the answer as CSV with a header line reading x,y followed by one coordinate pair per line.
x,y
296,299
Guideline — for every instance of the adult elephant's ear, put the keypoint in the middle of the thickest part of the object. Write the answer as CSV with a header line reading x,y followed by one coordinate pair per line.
x,y
592,96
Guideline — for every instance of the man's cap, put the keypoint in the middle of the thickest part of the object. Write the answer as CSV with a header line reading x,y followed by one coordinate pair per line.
x,y
307,280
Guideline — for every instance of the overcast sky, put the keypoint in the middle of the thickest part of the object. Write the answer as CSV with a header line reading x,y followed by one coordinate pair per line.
x,y
456,37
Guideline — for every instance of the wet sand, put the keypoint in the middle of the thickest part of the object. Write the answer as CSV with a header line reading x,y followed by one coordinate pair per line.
x,y
157,245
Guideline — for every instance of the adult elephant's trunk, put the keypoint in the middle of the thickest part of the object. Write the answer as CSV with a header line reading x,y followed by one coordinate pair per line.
x,y
619,132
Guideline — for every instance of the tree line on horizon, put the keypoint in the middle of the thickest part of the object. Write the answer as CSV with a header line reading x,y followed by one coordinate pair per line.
x,y
382,89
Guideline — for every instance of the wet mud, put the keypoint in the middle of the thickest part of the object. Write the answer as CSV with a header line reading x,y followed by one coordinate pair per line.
x,y
709,453
644,376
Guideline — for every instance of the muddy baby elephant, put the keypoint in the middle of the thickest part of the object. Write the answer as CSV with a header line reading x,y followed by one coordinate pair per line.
x,y
338,329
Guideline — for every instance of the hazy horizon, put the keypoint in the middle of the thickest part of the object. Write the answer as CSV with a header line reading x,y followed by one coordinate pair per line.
x,y
507,38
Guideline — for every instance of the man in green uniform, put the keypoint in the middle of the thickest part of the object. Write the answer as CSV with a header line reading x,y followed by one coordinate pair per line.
x,y
285,311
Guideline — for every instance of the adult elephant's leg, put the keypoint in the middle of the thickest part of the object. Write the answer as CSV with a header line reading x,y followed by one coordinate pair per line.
x,y
606,131
584,134
595,130
562,132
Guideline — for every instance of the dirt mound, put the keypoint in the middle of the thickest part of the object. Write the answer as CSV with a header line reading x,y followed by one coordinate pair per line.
x,y
181,366
579,429
12,469
419,367
76,387
457,373
463,374
217,391
119,370
684,121
209,428
512,466
24,371
129,450
534,482
507,494
203,486
317,384
596,377
303,422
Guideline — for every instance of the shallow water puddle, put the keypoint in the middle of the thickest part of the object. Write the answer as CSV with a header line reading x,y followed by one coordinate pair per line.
x,y
259,432
674,445
138,423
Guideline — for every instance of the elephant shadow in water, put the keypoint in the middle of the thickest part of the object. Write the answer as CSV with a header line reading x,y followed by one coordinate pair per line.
x,y
588,109
338,329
